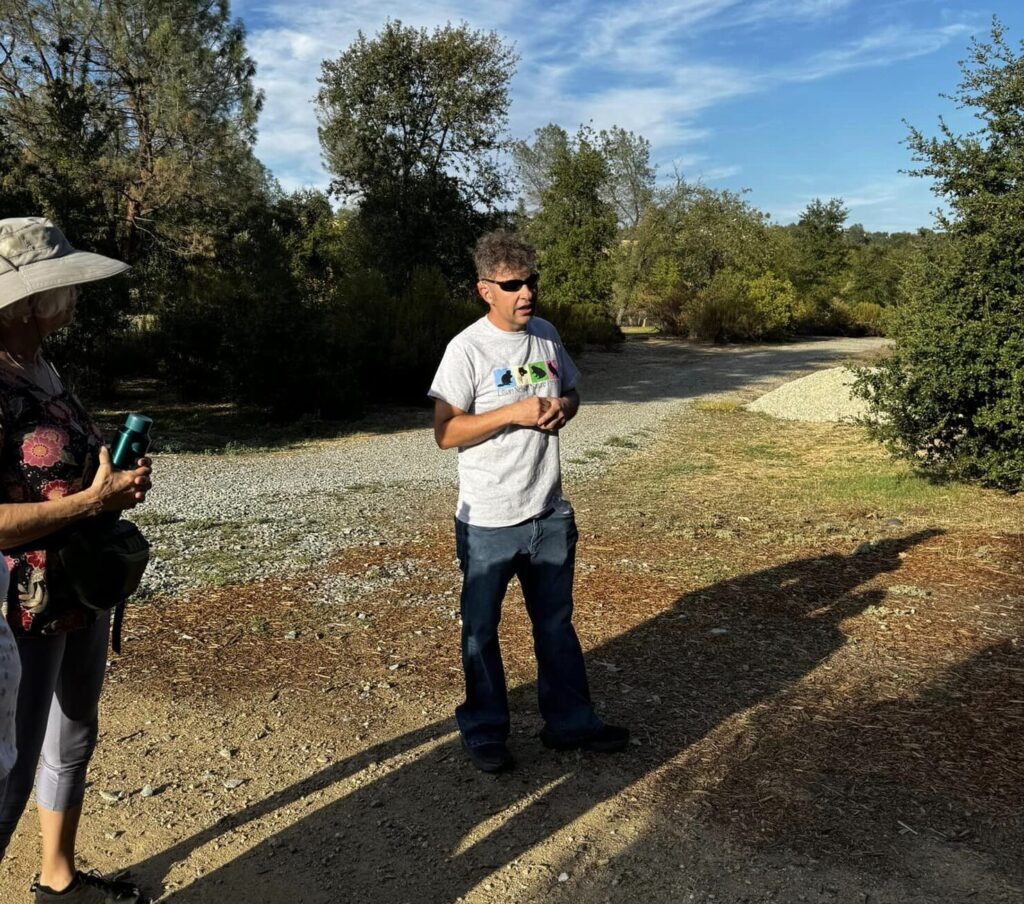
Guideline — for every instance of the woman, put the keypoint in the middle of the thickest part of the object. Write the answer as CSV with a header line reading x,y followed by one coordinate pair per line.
x,y
54,473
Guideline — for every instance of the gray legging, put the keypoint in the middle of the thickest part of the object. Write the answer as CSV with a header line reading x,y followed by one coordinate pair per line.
x,y
58,704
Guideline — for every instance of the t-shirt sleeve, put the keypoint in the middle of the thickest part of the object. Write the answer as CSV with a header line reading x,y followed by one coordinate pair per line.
x,y
570,375
455,381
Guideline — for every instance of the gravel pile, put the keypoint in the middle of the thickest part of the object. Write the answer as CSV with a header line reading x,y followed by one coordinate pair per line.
x,y
224,519
825,396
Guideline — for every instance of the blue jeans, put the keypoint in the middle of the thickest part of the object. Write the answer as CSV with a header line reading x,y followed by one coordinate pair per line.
x,y
541,552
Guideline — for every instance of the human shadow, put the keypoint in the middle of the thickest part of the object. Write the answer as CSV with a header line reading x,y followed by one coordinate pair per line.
x,y
432,828
928,782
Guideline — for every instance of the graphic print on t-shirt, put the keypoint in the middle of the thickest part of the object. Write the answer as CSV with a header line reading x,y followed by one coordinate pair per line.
x,y
503,378
538,372
522,376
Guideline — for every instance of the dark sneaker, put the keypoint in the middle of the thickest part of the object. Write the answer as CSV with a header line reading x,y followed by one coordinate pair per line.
x,y
607,739
90,888
490,757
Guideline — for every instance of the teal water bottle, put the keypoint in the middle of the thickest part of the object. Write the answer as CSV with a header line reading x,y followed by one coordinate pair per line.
x,y
131,442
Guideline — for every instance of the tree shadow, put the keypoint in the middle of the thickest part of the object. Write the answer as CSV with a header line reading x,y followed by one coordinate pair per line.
x,y
668,370
432,828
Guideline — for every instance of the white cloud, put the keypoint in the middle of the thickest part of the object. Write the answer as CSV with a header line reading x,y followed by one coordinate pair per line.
x,y
890,204
642,66
881,48
718,173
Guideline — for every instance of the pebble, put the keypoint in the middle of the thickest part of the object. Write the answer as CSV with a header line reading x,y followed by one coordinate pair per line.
x,y
232,783
825,396
563,877
112,797
147,791
909,590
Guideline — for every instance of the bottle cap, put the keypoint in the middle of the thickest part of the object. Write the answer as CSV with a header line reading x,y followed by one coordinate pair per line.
x,y
138,422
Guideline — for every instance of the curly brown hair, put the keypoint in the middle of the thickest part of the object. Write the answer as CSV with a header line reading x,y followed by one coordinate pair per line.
x,y
501,249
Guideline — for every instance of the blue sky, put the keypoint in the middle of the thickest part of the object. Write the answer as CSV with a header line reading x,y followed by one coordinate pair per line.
x,y
791,99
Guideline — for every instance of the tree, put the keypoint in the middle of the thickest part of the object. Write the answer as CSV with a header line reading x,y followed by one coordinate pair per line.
x,y
822,251
951,398
575,229
129,117
630,186
411,124
535,161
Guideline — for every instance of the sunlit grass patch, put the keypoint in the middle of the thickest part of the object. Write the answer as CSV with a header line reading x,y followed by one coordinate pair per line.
x,y
723,406
797,479
769,452
887,490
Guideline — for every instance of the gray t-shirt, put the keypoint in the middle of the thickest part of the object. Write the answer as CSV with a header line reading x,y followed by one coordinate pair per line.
x,y
514,475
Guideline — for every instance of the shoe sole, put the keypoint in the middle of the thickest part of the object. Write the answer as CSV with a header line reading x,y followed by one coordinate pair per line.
x,y
589,746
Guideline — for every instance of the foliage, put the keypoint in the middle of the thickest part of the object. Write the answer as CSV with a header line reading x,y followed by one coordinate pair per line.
x,y
821,252
951,398
733,307
131,126
127,114
411,123
691,235
574,231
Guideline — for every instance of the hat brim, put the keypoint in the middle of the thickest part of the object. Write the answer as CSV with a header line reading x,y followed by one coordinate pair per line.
x,y
69,270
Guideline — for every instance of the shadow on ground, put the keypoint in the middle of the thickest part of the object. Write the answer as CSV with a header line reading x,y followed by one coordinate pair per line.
x,y
432,828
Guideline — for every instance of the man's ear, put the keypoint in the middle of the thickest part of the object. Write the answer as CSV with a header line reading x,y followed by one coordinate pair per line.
x,y
485,292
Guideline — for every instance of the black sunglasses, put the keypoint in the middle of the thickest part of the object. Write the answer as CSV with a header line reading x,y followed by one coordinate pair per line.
x,y
514,285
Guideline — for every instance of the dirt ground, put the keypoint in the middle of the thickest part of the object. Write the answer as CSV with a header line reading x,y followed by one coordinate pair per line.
x,y
818,655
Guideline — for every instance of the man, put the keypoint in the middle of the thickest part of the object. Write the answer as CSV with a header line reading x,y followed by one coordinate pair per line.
x,y
504,389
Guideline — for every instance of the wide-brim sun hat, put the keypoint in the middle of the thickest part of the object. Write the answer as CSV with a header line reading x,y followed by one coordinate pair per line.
x,y
35,256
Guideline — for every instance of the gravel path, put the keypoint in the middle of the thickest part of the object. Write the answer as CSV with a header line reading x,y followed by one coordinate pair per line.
x,y
218,519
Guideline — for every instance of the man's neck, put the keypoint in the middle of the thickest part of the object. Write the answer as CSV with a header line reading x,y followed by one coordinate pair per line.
x,y
507,327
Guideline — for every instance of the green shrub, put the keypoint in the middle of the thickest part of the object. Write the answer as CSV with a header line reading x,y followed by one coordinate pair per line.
x,y
734,308
581,325
951,398
772,301
862,318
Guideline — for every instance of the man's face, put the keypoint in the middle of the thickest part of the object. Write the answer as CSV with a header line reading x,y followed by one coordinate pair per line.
x,y
510,309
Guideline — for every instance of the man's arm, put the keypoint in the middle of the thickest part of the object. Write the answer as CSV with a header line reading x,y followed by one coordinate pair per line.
x,y
560,412
454,427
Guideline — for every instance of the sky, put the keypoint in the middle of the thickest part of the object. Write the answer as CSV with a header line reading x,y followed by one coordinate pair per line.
x,y
787,100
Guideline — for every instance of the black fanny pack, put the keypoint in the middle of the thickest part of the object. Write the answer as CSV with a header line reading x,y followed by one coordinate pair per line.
x,y
100,563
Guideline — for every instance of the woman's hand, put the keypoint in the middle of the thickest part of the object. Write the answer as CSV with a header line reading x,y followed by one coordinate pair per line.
x,y
118,490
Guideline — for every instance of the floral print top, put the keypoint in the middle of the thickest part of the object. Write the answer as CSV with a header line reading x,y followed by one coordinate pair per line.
x,y
49,448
